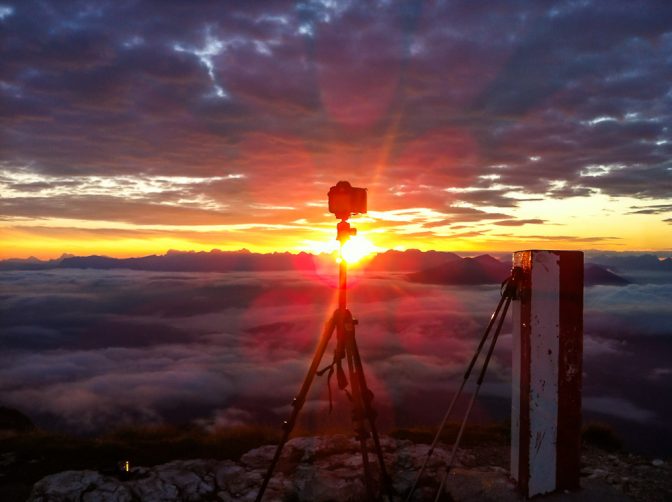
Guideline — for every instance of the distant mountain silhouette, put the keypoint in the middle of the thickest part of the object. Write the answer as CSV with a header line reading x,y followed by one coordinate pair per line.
x,y
483,269
432,267
594,275
231,261
622,263
31,263
213,261
409,260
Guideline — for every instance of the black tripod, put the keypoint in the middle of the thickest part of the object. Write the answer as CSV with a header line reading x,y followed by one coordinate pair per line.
x,y
360,396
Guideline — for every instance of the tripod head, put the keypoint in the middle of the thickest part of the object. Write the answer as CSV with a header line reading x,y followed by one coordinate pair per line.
x,y
344,231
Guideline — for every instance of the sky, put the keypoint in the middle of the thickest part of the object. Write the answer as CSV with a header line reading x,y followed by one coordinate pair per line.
x,y
135,127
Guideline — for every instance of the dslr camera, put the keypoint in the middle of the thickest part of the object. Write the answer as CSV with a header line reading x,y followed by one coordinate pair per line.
x,y
346,200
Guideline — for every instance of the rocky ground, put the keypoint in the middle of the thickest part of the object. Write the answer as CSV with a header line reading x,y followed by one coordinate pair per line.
x,y
322,469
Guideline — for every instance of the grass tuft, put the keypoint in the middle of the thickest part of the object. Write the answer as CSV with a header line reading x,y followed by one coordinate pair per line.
x,y
495,434
602,436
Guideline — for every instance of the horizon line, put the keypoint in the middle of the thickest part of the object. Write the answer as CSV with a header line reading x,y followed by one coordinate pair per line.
x,y
64,255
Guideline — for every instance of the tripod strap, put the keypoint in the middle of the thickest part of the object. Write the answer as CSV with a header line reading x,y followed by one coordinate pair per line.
x,y
340,376
331,372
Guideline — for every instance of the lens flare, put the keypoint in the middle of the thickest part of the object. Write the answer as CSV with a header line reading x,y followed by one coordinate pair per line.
x,y
356,249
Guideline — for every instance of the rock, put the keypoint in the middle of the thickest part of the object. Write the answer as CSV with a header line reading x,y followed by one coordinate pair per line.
x,y
599,473
189,484
227,473
258,457
329,469
79,485
190,480
248,482
324,485
153,488
110,491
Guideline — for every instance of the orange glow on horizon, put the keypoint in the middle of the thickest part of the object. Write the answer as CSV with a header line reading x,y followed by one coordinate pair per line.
x,y
586,223
45,247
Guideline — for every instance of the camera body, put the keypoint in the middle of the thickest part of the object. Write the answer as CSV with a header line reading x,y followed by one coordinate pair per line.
x,y
346,200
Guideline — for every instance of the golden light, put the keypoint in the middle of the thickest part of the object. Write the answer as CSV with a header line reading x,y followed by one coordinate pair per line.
x,y
357,248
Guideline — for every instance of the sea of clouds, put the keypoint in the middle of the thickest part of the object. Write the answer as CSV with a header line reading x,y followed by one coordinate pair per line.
x,y
88,351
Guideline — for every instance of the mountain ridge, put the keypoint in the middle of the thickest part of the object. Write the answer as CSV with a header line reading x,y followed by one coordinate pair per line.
x,y
431,267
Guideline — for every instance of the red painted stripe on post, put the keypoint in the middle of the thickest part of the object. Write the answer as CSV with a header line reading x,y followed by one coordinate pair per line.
x,y
570,357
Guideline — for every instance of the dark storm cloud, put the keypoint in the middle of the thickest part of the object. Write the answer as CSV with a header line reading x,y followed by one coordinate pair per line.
x,y
440,95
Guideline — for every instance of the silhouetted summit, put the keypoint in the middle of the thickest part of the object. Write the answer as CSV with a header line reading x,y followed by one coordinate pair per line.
x,y
483,269
594,275
626,262
409,260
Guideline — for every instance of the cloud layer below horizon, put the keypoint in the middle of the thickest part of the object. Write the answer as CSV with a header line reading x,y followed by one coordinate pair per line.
x,y
93,350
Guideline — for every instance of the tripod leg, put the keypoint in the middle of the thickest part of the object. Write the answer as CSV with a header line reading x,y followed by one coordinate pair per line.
x,y
479,382
369,412
358,415
298,402
456,396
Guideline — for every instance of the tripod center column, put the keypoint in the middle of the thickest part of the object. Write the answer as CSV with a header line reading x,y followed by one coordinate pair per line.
x,y
344,232
342,284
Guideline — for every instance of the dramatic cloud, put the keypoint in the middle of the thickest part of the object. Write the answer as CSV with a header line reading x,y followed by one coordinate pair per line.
x,y
90,350
166,113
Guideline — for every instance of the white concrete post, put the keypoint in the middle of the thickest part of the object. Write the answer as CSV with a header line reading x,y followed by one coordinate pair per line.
x,y
546,371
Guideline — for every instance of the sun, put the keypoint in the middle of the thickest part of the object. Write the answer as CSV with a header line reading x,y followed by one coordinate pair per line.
x,y
356,249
